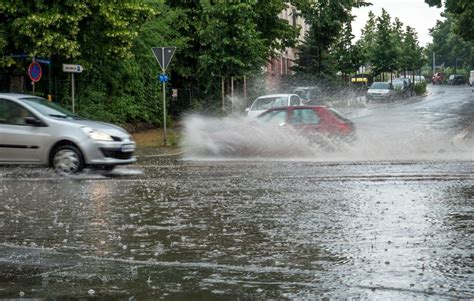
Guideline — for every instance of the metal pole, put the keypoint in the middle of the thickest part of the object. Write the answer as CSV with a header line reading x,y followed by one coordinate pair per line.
x,y
164,113
164,99
245,90
223,94
50,83
32,82
232,91
72,88
434,63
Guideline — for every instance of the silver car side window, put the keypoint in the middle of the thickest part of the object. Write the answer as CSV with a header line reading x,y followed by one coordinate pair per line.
x,y
13,113
3,111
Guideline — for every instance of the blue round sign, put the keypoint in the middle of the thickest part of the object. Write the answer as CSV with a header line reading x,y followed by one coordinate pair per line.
x,y
163,78
35,72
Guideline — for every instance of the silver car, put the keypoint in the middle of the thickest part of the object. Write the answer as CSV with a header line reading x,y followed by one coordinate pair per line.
x,y
34,130
380,91
265,102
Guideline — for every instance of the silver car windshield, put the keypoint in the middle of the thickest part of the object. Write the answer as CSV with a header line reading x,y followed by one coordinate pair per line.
x,y
269,102
380,86
49,108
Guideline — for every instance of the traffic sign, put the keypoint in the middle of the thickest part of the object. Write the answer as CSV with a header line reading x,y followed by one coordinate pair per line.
x,y
35,72
163,78
163,55
72,68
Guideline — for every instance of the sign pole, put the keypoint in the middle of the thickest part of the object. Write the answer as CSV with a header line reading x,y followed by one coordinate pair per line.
x,y
33,82
71,68
164,100
72,88
163,55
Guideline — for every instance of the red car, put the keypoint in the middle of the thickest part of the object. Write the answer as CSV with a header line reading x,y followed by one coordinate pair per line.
x,y
437,78
311,120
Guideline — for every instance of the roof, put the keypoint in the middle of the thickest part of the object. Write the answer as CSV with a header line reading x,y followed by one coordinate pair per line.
x,y
276,95
15,95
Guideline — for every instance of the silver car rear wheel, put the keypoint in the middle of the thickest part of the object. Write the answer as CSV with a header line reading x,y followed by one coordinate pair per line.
x,y
67,160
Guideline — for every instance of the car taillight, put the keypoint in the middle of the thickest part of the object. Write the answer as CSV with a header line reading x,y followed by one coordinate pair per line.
x,y
345,128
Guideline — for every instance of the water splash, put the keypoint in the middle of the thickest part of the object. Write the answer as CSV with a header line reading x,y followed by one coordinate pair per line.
x,y
244,138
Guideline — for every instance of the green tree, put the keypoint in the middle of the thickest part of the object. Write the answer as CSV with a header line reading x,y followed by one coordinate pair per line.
x,y
347,56
61,28
411,53
462,12
397,36
326,19
127,89
367,41
228,39
385,52
450,49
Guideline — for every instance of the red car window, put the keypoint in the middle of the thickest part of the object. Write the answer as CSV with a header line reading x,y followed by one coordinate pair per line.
x,y
278,117
304,117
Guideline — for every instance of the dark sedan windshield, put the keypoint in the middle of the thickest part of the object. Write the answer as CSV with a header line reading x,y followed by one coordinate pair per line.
x,y
49,108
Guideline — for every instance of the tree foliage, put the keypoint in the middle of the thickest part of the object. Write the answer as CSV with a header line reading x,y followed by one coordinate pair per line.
x,y
326,19
462,12
367,41
411,57
226,39
385,53
348,56
63,28
450,49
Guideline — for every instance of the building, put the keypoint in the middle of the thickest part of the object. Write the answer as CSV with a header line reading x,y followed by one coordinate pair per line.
x,y
280,66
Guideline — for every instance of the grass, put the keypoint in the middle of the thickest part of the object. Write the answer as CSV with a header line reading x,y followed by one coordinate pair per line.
x,y
154,138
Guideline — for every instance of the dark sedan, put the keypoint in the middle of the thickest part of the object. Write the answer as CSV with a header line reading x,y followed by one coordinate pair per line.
x,y
455,79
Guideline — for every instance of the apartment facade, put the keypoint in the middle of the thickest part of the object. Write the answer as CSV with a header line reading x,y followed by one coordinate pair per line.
x,y
280,66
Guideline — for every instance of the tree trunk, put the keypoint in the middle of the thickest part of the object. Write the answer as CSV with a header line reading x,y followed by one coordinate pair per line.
x,y
223,93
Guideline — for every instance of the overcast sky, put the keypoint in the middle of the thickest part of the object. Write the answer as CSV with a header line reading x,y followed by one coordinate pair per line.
x,y
414,13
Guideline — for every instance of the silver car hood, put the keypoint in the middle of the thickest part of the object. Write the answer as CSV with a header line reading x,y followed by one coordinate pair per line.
x,y
96,125
381,91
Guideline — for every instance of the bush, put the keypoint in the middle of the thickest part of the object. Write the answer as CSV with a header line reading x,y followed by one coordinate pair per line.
x,y
420,88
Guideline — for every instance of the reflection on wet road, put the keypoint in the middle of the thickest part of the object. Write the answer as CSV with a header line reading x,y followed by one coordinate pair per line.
x,y
241,229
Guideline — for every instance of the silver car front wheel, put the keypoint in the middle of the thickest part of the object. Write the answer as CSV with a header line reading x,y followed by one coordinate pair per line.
x,y
67,160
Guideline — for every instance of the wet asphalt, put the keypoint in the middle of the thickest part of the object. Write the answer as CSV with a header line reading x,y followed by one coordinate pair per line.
x,y
391,218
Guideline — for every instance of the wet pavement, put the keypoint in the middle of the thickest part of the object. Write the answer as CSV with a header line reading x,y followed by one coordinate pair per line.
x,y
388,218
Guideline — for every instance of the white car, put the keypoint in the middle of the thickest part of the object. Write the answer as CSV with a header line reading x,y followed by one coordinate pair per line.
x,y
471,78
265,102
380,91
34,130
419,79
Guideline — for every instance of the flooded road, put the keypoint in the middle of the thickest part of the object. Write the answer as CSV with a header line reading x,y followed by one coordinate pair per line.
x,y
382,220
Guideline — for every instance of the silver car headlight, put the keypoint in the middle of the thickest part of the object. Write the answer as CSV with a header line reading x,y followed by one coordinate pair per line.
x,y
96,135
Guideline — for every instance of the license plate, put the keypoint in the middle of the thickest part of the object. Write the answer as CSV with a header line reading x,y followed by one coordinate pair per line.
x,y
128,148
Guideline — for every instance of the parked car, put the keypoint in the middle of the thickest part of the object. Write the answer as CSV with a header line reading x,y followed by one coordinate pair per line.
x,y
380,91
471,78
311,121
402,87
309,95
34,130
456,79
419,79
437,78
265,102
